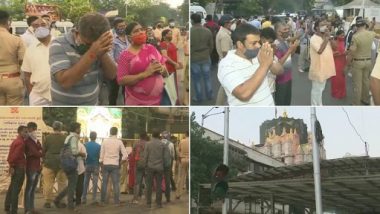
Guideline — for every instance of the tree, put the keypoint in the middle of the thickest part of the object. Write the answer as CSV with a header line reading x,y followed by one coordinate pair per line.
x,y
185,11
249,8
15,8
66,115
206,155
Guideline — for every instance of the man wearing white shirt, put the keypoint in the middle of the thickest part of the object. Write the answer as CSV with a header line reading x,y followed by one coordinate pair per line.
x,y
81,169
375,82
37,69
110,151
72,176
243,72
28,37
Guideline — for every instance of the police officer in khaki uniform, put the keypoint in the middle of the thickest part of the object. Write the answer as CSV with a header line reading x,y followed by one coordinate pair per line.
x,y
11,54
360,54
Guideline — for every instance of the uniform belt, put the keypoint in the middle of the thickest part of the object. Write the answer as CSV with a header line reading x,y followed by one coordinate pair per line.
x,y
362,59
11,75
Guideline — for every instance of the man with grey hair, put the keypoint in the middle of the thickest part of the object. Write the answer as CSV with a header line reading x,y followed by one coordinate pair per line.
x,y
79,61
51,170
285,47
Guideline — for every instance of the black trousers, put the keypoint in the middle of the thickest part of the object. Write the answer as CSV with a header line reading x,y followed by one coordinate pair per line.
x,y
283,94
79,189
113,92
167,176
11,199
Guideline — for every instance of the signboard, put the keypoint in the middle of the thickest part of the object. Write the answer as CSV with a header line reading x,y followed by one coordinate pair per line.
x,y
42,9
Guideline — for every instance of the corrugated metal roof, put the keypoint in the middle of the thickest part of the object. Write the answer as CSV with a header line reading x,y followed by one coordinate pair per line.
x,y
349,184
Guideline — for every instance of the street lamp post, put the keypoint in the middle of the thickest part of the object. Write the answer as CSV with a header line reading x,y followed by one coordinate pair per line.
x,y
316,164
204,116
225,148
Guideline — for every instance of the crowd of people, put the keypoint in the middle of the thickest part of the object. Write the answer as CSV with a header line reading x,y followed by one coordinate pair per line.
x,y
159,164
254,58
92,59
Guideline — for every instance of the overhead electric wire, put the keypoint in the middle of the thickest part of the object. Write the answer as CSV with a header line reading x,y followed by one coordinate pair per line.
x,y
357,133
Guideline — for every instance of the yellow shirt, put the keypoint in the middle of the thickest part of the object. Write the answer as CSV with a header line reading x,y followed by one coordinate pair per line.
x,y
266,24
36,62
157,34
12,51
322,65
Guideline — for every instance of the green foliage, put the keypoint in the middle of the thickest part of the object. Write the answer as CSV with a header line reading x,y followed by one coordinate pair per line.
x,y
14,7
149,15
249,8
66,115
206,155
185,11
202,3
144,11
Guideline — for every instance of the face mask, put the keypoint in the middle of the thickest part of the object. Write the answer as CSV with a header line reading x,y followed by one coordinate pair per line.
x,y
82,49
340,38
233,27
323,29
33,135
171,24
251,53
42,32
120,31
139,39
284,35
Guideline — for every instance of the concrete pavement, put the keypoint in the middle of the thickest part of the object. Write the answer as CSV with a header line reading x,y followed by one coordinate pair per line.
x,y
180,206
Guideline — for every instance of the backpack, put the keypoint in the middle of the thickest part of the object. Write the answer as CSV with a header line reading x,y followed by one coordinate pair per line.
x,y
69,162
166,155
139,155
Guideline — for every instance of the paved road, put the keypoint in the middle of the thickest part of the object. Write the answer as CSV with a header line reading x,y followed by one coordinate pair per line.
x,y
180,206
301,89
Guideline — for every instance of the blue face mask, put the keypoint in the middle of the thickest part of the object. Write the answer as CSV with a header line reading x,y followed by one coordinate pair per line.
x,y
251,53
120,31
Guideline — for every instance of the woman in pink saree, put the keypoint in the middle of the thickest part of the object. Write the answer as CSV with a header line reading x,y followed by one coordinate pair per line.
x,y
141,69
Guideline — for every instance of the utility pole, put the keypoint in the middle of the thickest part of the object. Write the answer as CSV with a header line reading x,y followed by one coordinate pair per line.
x,y
225,149
316,164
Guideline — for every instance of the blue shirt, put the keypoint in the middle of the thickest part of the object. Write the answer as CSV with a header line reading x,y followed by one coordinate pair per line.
x,y
118,47
93,153
256,23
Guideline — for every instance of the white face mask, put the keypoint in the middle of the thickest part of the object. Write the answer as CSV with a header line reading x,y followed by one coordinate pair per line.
x,y
171,24
233,27
323,29
42,32
33,135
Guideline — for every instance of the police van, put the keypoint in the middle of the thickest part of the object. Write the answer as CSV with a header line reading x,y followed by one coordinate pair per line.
x,y
19,27
195,8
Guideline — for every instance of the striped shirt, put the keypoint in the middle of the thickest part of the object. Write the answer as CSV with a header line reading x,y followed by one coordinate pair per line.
x,y
234,70
281,48
63,56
